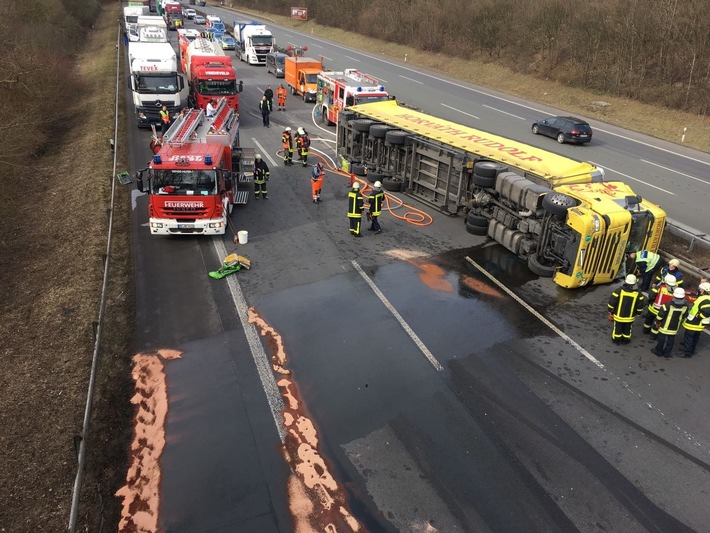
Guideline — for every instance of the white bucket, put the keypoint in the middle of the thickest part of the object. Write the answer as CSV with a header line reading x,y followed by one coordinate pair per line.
x,y
243,237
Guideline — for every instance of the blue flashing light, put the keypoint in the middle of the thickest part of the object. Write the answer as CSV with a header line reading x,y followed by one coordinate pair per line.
x,y
208,160
157,160
382,88
359,89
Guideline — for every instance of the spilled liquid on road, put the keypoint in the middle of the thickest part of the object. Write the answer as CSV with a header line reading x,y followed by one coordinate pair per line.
x,y
316,501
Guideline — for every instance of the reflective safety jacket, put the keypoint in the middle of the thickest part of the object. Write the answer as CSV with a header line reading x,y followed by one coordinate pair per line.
x,y
671,316
377,198
287,141
659,296
355,204
699,314
650,259
165,116
626,303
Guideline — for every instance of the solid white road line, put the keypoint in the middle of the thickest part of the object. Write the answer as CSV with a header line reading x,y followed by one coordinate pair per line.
x,y
462,112
422,347
264,152
261,360
537,315
676,171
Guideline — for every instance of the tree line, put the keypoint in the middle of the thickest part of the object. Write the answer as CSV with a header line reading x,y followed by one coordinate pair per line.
x,y
654,51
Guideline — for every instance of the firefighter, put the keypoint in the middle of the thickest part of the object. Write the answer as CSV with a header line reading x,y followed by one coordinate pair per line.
x,y
672,268
697,320
287,142
317,181
164,120
625,304
376,200
355,206
660,295
303,143
646,266
281,97
265,109
261,176
670,318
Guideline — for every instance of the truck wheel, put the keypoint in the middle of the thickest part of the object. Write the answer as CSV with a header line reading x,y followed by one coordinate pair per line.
x,y
540,269
362,124
372,177
398,137
379,131
484,181
557,203
358,170
392,184
476,230
476,220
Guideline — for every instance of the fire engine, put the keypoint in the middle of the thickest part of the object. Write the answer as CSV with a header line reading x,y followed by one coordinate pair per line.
x,y
338,90
192,180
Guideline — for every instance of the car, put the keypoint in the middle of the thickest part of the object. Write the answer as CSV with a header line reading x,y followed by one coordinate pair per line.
x,y
190,13
227,41
276,62
564,129
199,19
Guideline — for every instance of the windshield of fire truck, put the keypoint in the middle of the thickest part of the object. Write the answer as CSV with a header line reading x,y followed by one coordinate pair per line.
x,y
218,87
184,182
157,83
641,224
262,40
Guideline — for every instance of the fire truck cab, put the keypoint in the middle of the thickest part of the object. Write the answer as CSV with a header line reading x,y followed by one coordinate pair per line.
x,y
192,180
338,90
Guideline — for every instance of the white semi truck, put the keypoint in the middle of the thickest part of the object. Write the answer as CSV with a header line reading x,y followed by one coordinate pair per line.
x,y
254,41
130,20
154,80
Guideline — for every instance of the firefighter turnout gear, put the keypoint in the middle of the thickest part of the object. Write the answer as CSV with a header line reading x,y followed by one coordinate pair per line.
x,y
355,206
697,320
670,318
317,182
625,304
376,200
660,295
261,176
303,143
672,268
287,143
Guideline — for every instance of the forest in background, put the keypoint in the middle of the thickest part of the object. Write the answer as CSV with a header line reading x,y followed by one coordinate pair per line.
x,y
654,51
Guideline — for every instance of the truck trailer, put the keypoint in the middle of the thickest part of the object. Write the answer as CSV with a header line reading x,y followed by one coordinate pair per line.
x,y
556,213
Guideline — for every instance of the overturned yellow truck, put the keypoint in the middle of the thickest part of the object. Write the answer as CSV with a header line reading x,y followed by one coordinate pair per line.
x,y
556,213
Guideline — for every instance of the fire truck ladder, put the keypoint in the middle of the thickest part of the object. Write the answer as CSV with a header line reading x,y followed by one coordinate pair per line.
x,y
360,77
183,128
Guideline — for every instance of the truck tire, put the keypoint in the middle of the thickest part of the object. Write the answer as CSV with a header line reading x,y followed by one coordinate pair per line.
x,y
362,124
488,169
540,269
484,181
379,131
476,230
557,203
358,170
392,184
476,220
346,116
398,137
372,177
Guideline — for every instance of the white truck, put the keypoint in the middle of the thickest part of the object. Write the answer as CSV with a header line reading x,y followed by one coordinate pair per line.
x,y
130,20
154,80
151,29
254,41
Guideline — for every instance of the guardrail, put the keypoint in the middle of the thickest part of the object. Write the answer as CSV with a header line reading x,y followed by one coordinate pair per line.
x,y
683,230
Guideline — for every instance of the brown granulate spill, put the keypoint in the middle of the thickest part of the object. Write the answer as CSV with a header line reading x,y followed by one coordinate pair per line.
x,y
141,496
316,501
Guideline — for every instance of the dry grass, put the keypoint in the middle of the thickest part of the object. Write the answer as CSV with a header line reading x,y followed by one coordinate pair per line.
x,y
655,121
52,273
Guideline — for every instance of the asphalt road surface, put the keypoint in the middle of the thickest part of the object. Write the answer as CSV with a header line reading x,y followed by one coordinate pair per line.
x,y
418,380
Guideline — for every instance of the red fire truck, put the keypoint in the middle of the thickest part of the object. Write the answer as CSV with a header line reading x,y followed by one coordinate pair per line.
x,y
338,90
192,180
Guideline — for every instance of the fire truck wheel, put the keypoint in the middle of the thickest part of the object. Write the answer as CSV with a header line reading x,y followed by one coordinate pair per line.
x,y
476,230
398,137
372,177
379,131
362,124
476,220
358,170
540,269
557,203
392,184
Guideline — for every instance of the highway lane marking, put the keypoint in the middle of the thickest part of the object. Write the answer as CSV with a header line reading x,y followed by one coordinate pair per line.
x,y
581,350
537,315
676,171
263,151
504,112
635,179
439,79
261,360
410,79
462,112
352,58
407,328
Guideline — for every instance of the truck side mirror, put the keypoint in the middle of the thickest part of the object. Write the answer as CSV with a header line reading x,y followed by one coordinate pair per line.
x,y
241,86
181,82
129,79
140,185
